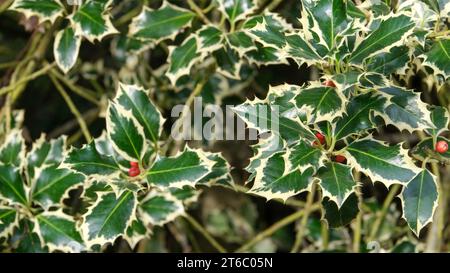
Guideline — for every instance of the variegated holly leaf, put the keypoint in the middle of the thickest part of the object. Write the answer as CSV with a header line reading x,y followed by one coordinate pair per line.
x,y
420,200
159,208
187,194
441,7
12,187
265,56
300,50
15,122
236,10
58,232
276,178
43,9
135,99
89,161
269,30
109,217
66,49
321,102
125,132
105,147
182,58
396,60
392,31
404,109
186,168
303,155
387,164
264,149
340,216
53,184
346,82
8,221
438,58
91,20
228,62
337,182
163,23
136,232
241,42
24,240
328,20
12,152
45,153
220,170
357,116
210,39
440,118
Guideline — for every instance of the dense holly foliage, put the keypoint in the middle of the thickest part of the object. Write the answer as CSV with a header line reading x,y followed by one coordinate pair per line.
x,y
134,177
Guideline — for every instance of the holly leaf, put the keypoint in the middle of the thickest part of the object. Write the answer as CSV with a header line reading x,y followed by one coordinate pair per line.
x,y
108,218
210,39
89,161
357,115
163,23
269,30
440,119
438,58
321,103
126,134
228,62
241,42
12,188
394,61
337,182
387,164
66,48
220,170
136,100
43,9
24,240
8,221
300,50
12,152
48,153
186,168
91,20
340,216
159,208
236,10
58,232
391,32
277,179
136,232
419,200
53,184
303,156
182,58
265,55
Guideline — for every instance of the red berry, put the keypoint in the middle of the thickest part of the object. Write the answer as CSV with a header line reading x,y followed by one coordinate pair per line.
x,y
315,143
132,172
330,83
340,159
441,146
134,164
321,138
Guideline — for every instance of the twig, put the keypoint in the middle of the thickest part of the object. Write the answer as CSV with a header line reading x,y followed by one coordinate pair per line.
x,y
199,12
82,92
304,220
205,233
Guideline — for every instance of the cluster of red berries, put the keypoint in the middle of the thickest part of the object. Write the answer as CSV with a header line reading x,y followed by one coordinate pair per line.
x,y
321,139
134,169
441,146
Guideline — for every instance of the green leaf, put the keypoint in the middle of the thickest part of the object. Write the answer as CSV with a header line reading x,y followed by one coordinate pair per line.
x,y
8,220
66,49
241,42
228,63
404,109
339,217
91,20
89,161
337,182
12,152
420,200
43,9
300,50
270,31
186,168
24,240
182,58
440,119
236,10
265,148
322,103
45,153
210,39
163,23
220,170
391,32
58,232
109,217
136,232
186,194
438,58
136,100
277,179
357,116
126,134
396,60
387,164
12,188
159,208
303,156
265,56
53,184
